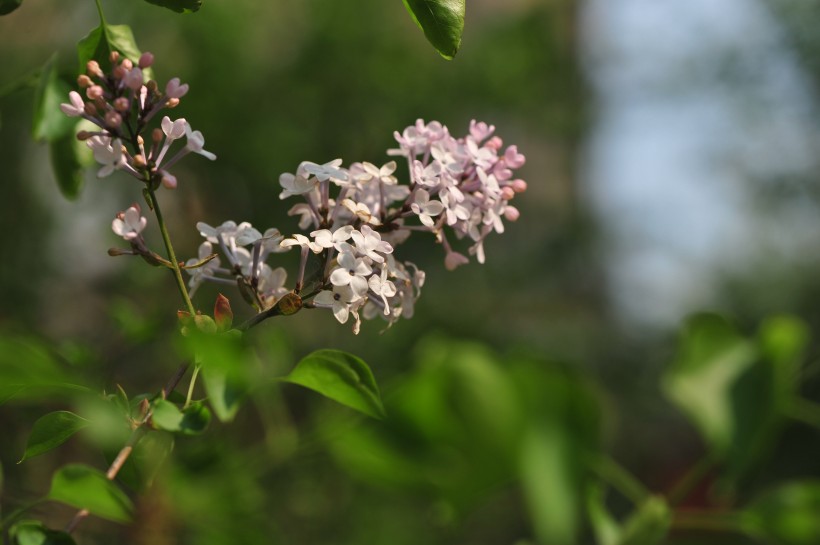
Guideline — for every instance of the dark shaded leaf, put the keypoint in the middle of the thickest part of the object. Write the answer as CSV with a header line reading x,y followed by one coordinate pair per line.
x,y
51,431
49,122
32,532
7,6
179,6
67,155
341,377
86,488
442,22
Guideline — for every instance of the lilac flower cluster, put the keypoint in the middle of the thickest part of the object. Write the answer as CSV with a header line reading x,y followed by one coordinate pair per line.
x,y
462,184
121,103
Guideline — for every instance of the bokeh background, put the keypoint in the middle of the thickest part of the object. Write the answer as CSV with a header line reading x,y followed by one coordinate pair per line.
x,y
672,163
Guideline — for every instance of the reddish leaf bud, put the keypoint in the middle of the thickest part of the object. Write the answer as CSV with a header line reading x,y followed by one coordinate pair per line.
x,y
223,313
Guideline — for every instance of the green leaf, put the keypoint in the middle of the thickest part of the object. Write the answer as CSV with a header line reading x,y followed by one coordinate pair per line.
x,y
341,377
648,525
51,431
548,480
86,488
788,515
712,358
225,393
442,22
606,529
32,532
783,341
49,122
68,156
179,6
192,420
7,6
104,39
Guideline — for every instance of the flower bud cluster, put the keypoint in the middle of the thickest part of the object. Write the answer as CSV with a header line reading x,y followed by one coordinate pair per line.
x,y
121,103
356,216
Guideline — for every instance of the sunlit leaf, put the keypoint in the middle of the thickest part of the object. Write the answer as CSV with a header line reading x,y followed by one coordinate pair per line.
x,y
179,6
712,357
192,420
86,488
442,22
788,515
51,431
648,525
32,532
783,341
341,377
7,6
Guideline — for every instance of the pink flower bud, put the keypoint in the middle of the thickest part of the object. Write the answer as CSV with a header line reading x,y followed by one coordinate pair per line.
x,y
93,69
511,213
84,81
513,158
174,89
127,64
494,143
114,56
172,103
519,186
119,72
133,79
169,180
122,104
113,119
139,161
94,92
146,60
507,193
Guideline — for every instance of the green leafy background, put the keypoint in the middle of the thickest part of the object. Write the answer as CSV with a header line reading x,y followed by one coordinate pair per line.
x,y
495,393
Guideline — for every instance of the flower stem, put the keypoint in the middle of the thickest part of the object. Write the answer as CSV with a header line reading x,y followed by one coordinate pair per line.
x,y
166,238
100,11
191,386
619,478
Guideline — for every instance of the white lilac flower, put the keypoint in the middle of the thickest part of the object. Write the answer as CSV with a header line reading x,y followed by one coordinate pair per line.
x,y
106,152
272,284
129,224
352,271
361,211
76,108
369,242
247,235
384,288
480,131
195,142
327,239
328,171
427,175
303,241
454,259
339,300
424,208
295,184
383,174
200,274
303,210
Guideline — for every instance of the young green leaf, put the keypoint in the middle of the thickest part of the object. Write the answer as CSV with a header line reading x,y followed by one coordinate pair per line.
x,y
788,515
341,377
606,529
225,392
442,22
32,532
192,420
7,6
179,6
51,431
86,488
67,162
104,39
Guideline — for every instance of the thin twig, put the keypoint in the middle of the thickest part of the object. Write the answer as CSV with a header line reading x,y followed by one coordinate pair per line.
x,y
133,439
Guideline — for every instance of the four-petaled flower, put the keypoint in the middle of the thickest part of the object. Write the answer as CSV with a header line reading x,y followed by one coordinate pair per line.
x,y
424,208
129,224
